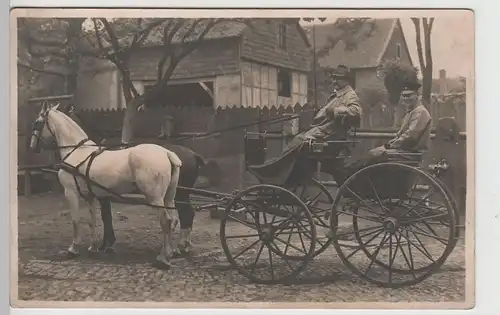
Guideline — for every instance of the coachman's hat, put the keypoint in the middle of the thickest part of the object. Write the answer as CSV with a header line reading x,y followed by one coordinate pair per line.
x,y
341,72
411,85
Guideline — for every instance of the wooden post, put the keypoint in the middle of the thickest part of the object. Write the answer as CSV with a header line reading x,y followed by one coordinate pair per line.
x,y
27,183
28,156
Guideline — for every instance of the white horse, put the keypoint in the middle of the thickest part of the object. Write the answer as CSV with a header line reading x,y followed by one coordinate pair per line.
x,y
153,169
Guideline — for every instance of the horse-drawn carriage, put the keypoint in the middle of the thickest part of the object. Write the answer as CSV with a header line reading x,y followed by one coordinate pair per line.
x,y
392,207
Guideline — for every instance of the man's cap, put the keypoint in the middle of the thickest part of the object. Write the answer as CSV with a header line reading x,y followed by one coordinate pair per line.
x,y
341,72
410,86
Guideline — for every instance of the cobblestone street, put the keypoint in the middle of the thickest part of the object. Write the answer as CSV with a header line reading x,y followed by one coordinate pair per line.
x,y
127,275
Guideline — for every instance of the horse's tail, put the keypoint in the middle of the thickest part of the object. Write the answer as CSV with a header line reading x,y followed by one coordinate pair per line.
x,y
174,159
174,181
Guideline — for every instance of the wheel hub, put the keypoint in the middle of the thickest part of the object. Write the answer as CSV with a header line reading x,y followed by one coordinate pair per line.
x,y
267,234
391,224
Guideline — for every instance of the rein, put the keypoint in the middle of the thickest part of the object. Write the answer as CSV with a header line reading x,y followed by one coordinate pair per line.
x,y
206,135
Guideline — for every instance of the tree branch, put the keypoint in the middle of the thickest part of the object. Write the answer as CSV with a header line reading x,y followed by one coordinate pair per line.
x,y
111,33
188,47
27,37
98,35
47,53
136,35
143,34
169,32
431,22
416,21
40,70
427,41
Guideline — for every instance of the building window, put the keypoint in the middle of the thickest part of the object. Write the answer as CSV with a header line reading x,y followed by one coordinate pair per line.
x,y
282,36
398,50
284,83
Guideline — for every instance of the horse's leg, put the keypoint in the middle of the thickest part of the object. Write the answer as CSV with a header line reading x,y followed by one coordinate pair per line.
x,y
109,239
92,221
186,218
188,176
158,194
74,204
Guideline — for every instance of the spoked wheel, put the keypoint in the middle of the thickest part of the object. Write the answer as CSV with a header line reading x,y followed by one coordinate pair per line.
x,y
394,224
319,201
268,234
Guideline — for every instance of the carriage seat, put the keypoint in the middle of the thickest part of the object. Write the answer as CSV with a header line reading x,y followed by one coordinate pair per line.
x,y
329,148
409,158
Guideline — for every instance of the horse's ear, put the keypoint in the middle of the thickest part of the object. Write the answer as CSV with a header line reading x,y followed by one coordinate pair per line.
x,y
45,107
56,106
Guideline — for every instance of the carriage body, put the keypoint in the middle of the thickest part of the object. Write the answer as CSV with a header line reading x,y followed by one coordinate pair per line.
x,y
387,181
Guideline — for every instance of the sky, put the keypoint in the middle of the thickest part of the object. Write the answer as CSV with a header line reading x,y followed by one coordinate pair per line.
x,y
452,43
452,37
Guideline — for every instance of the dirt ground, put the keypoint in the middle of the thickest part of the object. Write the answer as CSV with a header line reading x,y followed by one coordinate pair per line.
x,y
128,275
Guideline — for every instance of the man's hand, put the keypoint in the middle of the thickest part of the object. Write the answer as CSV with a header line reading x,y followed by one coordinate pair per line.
x,y
339,110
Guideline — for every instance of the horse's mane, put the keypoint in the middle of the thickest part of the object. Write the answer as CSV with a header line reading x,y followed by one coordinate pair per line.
x,y
70,122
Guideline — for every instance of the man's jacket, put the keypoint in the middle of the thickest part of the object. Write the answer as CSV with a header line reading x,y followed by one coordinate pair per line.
x,y
415,132
324,123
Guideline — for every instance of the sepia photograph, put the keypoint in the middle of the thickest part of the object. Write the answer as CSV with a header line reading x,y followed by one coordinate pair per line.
x,y
242,158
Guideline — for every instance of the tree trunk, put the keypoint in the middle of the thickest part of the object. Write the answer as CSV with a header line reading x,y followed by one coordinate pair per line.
x,y
73,34
427,71
427,86
132,103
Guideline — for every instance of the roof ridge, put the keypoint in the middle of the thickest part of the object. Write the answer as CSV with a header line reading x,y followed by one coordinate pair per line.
x,y
387,40
367,50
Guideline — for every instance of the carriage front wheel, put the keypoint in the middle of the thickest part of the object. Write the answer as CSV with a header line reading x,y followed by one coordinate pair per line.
x,y
268,234
394,224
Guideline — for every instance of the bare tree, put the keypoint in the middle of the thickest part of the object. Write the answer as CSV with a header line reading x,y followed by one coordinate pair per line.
x,y
424,55
179,38
54,43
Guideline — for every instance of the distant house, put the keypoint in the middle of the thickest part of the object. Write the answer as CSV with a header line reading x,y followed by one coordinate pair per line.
x,y
236,65
363,52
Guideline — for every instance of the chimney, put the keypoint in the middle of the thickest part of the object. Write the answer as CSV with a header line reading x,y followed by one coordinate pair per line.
x,y
443,84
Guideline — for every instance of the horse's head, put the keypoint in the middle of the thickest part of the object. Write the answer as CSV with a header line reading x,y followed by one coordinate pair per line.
x,y
41,133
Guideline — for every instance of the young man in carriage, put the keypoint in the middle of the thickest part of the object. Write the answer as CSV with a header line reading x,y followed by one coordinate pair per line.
x,y
412,139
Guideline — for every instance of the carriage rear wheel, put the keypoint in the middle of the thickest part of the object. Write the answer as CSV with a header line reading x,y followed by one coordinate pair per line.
x,y
403,225
268,234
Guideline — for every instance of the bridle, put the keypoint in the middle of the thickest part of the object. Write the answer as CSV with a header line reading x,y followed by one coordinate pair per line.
x,y
37,130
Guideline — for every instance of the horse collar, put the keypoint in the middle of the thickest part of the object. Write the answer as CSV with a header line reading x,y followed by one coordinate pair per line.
x,y
74,148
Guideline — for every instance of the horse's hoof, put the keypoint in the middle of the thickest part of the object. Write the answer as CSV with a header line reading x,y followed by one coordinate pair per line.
x,y
185,250
176,255
71,255
103,247
162,265
109,250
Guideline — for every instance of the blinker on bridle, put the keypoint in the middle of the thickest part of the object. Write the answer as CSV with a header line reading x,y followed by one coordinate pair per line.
x,y
38,125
